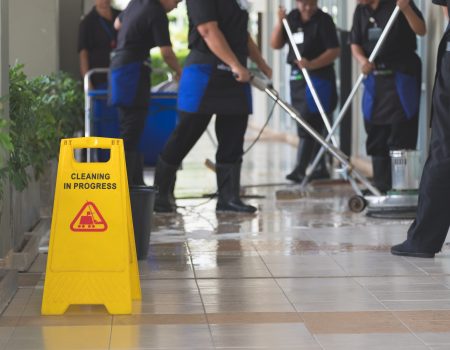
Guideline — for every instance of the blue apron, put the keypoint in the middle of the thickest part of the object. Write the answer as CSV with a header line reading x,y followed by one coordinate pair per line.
x,y
211,88
129,80
323,87
124,82
407,88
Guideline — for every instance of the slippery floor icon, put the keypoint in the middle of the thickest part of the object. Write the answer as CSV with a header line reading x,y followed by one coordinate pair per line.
x,y
89,219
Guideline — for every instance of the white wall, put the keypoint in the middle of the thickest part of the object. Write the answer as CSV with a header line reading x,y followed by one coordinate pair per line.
x,y
88,5
33,35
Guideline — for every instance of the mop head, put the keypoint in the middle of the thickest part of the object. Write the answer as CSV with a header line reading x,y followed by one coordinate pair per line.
x,y
293,194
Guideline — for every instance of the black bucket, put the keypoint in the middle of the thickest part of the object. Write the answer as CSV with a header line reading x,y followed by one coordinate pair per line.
x,y
142,200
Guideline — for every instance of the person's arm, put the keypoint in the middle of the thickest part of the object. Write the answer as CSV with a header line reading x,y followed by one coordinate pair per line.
x,y
416,23
255,55
360,56
171,59
277,39
117,23
84,62
83,47
213,37
445,10
325,59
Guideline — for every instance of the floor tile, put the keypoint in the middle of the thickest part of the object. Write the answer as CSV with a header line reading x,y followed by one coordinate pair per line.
x,y
379,341
352,322
304,273
160,336
60,337
263,335
435,338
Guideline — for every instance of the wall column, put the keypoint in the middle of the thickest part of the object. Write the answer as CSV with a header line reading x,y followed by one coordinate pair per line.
x,y
5,204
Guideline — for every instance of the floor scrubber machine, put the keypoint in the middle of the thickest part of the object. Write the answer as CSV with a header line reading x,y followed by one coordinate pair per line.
x,y
401,201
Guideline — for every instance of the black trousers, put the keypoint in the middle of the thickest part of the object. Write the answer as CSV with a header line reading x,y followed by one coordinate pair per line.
x,y
132,118
383,138
132,122
230,131
429,229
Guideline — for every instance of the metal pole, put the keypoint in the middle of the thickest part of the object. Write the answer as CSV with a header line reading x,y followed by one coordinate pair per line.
x,y
309,129
336,152
347,104
308,81
88,104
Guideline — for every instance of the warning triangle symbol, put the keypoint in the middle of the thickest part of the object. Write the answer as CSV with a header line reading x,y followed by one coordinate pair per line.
x,y
89,219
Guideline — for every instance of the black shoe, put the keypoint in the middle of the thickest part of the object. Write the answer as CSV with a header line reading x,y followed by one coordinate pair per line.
x,y
403,249
237,206
163,207
295,176
304,153
229,186
320,174
382,173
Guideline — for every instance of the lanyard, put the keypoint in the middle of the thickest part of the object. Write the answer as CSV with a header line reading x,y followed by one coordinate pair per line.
x,y
108,31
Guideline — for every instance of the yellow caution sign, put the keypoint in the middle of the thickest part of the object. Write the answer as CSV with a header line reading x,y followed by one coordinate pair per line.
x,y
92,253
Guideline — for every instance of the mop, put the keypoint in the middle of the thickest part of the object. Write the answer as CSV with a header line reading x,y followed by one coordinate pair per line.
x,y
353,174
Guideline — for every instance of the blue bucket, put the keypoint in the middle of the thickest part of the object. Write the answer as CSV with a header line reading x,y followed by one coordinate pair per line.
x,y
161,120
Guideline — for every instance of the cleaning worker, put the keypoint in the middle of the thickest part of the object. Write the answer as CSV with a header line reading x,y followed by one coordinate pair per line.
x,y
315,35
142,26
391,99
427,233
214,81
96,39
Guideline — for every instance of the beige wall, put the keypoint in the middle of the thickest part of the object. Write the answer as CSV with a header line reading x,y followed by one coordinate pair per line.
x,y
70,12
33,35
6,239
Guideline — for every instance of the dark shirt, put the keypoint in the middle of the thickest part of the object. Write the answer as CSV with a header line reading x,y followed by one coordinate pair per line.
x,y
232,19
399,49
318,34
144,26
98,36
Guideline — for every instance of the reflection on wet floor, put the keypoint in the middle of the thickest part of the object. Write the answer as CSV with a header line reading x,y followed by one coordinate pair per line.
x,y
303,273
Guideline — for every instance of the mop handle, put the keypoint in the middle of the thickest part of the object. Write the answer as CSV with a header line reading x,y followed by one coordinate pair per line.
x,y
348,102
308,80
294,114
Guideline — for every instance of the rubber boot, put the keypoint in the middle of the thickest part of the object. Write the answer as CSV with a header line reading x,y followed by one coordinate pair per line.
x,y
320,172
382,177
131,159
172,191
304,153
229,185
138,176
165,176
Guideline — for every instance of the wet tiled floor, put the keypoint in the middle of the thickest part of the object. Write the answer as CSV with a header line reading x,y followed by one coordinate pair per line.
x,y
304,273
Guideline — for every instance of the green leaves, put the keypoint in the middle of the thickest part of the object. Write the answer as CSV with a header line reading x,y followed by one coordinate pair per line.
x,y
42,111
5,147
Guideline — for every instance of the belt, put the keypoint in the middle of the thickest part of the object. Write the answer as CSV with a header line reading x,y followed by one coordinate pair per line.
x,y
128,56
383,72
